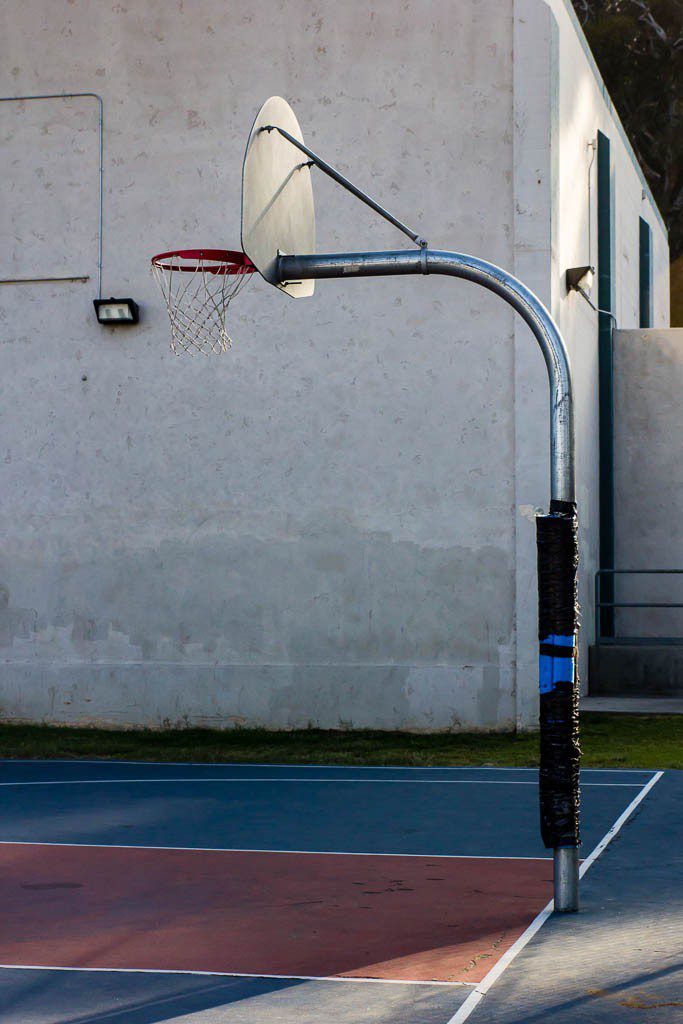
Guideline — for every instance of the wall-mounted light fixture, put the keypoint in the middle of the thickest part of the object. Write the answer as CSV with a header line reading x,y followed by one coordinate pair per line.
x,y
116,311
580,279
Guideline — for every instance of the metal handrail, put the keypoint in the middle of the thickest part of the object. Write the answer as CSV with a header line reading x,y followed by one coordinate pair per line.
x,y
600,603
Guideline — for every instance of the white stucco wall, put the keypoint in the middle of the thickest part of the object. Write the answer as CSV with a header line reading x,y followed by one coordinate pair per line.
x,y
649,476
584,109
333,524
316,527
560,104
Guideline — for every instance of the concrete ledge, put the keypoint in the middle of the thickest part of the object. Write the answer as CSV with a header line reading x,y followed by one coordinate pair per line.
x,y
629,670
634,705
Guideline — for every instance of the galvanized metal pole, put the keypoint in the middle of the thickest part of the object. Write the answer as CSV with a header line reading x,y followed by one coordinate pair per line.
x,y
544,329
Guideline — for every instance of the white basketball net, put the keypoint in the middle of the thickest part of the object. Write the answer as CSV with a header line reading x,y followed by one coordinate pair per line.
x,y
198,287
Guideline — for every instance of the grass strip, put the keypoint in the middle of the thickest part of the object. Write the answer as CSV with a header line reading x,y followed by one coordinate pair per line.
x,y
607,740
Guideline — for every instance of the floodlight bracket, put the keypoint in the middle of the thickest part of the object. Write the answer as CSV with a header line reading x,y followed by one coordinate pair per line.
x,y
317,161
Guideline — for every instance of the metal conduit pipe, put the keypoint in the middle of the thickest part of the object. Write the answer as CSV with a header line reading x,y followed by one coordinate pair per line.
x,y
544,329
74,96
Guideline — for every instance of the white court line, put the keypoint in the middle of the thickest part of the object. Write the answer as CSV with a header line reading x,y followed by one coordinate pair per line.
x,y
299,767
233,849
236,974
475,997
609,836
330,781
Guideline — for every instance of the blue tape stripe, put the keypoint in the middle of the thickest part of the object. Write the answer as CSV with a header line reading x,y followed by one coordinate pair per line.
x,y
555,670
559,641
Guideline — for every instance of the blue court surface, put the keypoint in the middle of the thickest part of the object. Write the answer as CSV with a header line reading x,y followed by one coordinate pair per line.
x,y
200,893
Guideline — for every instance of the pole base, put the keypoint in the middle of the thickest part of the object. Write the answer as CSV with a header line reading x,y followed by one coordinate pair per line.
x,y
566,879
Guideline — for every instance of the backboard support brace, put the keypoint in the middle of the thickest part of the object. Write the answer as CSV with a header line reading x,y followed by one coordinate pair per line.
x,y
337,176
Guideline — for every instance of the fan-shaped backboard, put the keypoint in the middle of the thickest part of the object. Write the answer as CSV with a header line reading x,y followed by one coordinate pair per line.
x,y
277,196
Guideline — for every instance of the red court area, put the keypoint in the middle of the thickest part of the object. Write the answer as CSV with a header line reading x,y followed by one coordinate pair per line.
x,y
391,917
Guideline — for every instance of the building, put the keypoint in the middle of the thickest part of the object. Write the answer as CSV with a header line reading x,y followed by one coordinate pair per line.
x,y
333,524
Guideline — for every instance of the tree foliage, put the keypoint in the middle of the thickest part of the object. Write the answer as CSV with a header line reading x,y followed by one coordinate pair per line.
x,y
638,46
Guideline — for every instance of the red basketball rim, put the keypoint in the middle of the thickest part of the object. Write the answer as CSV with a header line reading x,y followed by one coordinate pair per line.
x,y
225,261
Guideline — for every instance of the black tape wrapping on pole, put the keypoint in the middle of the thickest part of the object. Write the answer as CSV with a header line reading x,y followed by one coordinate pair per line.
x,y
558,624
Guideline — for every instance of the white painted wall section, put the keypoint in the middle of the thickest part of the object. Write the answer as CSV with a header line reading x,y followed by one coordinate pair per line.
x,y
333,524
649,476
316,528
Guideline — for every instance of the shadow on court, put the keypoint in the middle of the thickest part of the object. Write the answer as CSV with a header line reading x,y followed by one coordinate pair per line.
x,y
61,998
621,958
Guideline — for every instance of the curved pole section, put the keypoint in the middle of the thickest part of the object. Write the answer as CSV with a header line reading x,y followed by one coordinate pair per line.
x,y
516,294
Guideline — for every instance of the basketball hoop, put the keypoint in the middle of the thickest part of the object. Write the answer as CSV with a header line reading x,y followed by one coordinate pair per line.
x,y
198,285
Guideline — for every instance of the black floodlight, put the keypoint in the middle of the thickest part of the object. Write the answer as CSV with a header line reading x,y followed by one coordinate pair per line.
x,y
113,312
580,279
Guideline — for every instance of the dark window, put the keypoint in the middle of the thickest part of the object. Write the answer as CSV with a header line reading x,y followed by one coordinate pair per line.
x,y
645,274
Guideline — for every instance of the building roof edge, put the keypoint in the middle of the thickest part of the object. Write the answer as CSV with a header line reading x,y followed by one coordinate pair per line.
x,y
612,109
